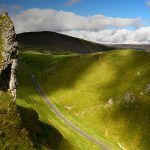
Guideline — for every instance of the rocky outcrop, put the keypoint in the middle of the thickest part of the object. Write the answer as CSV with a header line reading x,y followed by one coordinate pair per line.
x,y
9,56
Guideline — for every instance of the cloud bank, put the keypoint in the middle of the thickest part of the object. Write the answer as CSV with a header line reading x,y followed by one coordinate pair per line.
x,y
119,36
48,19
98,28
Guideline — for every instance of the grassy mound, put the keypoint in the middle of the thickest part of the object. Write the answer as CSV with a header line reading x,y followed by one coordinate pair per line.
x,y
55,43
105,94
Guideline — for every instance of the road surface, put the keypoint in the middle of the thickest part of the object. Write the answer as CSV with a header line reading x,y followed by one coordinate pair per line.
x,y
62,117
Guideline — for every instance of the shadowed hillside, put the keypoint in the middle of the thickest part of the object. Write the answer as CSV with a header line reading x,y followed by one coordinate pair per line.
x,y
52,42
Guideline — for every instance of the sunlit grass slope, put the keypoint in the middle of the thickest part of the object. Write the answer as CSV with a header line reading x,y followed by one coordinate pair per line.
x,y
28,98
106,94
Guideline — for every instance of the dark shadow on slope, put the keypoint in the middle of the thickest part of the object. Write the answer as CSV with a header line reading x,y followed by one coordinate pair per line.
x,y
52,42
40,133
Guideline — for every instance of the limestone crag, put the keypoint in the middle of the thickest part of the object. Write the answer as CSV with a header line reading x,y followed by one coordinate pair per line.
x,y
8,80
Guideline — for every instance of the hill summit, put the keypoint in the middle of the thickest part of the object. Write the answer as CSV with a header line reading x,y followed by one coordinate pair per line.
x,y
57,43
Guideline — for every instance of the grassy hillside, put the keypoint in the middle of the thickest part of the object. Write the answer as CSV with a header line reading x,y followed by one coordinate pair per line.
x,y
12,135
105,94
20,128
51,42
28,98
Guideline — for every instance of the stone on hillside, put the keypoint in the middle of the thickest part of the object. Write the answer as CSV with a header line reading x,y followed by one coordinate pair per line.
x,y
129,98
110,102
148,88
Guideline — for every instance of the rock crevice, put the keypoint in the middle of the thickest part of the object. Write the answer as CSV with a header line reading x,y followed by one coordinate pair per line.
x,y
8,80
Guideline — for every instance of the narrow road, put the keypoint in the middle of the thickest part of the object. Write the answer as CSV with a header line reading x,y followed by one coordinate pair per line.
x,y
62,117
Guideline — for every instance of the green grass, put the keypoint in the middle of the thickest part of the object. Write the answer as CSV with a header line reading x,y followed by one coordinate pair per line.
x,y
27,97
42,135
105,94
11,134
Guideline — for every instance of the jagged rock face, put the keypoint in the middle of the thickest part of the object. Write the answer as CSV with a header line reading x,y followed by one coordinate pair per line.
x,y
9,56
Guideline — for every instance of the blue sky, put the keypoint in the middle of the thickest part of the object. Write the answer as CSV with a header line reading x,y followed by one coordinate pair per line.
x,y
114,8
103,21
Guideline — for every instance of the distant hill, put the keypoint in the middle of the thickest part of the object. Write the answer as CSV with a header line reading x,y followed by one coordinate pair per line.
x,y
133,46
52,42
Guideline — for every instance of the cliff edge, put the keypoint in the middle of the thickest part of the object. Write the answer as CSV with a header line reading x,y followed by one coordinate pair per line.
x,y
8,62
12,134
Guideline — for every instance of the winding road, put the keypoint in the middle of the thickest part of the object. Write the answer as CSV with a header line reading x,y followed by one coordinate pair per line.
x,y
62,117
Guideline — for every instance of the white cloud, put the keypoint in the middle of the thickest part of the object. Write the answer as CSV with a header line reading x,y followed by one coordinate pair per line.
x,y
120,36
96,28
72,2
47,19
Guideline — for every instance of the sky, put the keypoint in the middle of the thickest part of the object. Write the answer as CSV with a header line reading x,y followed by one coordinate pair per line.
x,y
102,21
